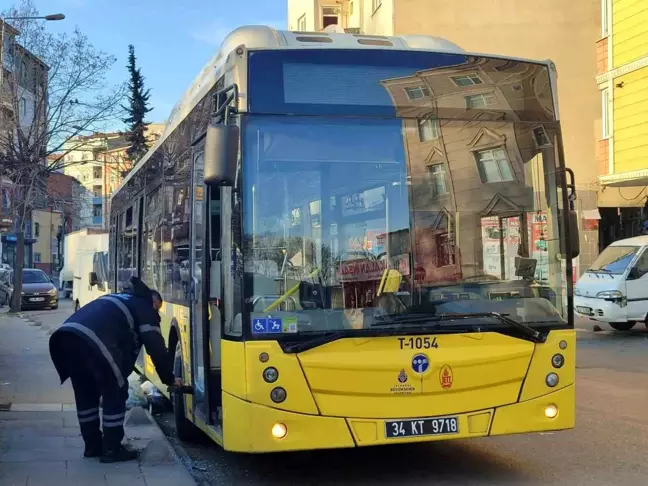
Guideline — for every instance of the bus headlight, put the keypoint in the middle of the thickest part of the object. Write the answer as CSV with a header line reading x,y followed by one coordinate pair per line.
x,y
279,431
278,394
562,345
270,375
551,380
557,360
551,411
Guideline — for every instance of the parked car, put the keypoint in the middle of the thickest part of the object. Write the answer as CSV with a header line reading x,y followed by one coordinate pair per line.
x,y
38,290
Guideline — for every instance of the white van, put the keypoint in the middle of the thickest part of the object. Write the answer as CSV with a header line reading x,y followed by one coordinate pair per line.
x,y
615,287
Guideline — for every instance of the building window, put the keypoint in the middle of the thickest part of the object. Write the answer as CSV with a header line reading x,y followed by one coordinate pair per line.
x,y
97,190
417,92
22,108
351,8
437,179
330,16
37,258
480,100
540,137
494,166
36,230
97,172
467,80
605,18
605,113
375,4
301,23
444,255
428,129
96,210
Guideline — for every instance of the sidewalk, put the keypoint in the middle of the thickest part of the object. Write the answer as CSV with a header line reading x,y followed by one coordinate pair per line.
x,y
40,442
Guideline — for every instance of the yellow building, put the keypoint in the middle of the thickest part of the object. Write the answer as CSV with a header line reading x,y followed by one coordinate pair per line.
x,y
45,226
622,79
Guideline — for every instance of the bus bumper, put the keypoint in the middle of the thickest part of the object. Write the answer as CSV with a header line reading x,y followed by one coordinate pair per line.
x,y
248,426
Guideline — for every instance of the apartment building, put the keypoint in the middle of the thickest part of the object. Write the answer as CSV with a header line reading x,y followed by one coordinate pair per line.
x,y
622,145
100,162
561,31
23,91
46,226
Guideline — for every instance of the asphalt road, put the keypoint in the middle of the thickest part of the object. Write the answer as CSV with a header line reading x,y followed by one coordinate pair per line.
x,y
609,445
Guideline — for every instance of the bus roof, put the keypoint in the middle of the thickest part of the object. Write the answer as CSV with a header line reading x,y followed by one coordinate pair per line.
x,y
264,37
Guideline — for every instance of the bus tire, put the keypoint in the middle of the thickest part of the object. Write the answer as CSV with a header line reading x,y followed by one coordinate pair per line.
x,y
185,430
622,326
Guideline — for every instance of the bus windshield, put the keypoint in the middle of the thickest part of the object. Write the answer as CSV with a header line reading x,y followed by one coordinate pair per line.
x,y
462,204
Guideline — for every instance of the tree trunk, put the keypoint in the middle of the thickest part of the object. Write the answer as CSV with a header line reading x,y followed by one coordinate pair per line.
x,y
18,272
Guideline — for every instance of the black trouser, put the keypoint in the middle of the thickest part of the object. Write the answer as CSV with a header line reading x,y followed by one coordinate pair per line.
x,y
91,379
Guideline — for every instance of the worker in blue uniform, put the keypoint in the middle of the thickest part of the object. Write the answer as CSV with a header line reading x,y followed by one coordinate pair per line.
x,y
97,348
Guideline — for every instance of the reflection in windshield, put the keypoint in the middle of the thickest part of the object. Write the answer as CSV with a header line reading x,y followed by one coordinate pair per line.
x,y
614,259
448,206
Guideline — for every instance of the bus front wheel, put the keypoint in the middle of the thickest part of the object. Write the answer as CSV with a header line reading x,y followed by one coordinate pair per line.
x,y
622,326
185,430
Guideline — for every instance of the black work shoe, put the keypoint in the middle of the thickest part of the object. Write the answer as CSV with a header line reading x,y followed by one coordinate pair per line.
x,y
122,454
92,451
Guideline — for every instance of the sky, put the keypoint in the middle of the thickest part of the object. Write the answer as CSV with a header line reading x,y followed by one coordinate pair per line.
x,y
173,39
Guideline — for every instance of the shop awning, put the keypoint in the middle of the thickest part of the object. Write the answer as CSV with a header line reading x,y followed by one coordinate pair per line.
x,y
635,178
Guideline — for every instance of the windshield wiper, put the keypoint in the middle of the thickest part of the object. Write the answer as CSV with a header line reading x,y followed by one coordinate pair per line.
x,y
532,334
320,339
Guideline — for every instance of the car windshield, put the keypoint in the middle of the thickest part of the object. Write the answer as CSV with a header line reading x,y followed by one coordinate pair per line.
x,y
34,276
451,210
614,260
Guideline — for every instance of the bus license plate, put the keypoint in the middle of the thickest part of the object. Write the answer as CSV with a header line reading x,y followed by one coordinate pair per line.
x,y
37,299
420,427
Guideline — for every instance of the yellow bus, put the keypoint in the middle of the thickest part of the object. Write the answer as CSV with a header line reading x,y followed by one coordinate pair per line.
x,y
360,240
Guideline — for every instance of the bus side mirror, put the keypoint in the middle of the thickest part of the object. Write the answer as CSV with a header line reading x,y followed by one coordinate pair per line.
x,y
574,240
573,234
221,154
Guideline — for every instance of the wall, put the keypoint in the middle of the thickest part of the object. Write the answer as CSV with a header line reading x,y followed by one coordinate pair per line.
x,y
297,8
46,244
631,121
381,21
630,34
565,32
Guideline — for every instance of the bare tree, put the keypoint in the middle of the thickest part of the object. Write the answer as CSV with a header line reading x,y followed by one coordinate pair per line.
x,y
55,89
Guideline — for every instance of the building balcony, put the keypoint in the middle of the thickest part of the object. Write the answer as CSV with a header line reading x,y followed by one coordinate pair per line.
x,y
97,200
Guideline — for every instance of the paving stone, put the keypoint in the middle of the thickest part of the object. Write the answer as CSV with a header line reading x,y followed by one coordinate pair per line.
x,y
167,475
126,479
34,443
19,469
74,442
14,480
36,407
69,407
40,455
13,415
84,466
21,424
40,431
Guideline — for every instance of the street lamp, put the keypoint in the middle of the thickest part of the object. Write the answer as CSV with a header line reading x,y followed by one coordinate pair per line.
x,y
51,17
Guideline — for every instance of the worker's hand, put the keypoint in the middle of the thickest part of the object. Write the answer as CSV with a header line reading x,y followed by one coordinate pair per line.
x,y
178,382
